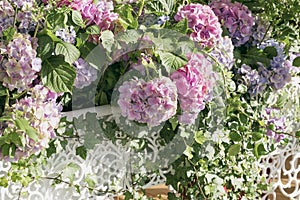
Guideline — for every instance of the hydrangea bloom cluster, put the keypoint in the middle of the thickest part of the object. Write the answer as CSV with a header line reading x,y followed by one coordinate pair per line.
x,y
151,102
100,13
204,23
23,17
273,119
279,73
67,34
43,114
223,52
20,67
289,63
194,84
259,31
6,15
85,74
237,18
256,81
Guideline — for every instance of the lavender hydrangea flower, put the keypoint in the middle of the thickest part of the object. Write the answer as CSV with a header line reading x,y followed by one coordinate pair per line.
x,y
43,114
204,23
273,117
6,15
194,84
67,34
85,74
260,31
223,52
151,102
289,63
21,66
236,17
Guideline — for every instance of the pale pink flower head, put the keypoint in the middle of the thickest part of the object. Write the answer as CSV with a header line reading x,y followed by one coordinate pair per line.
x,y
194,84
204,23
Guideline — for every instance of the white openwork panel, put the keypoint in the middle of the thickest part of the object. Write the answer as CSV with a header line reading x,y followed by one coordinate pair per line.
x,y
111,163
282,169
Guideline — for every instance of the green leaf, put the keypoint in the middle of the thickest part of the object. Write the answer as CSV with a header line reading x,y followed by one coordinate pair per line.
x,y
56,21
5,149
23,124
171,61
107,40
9,33
69,51
270,51
45,46
3,182
3,91
296,62
91,180
93,30
199,137
58,75
259,150
257,136
234,149
81,151
235,136
51,149
182,26
69,171
243,118
126,18
77,18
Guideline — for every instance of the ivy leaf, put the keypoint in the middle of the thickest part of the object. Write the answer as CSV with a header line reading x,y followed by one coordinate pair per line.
x,y
81,151
171,61
296,62
69,51
69,172
23,124
91,181
234,149
235,136
199,137
77,18
58,75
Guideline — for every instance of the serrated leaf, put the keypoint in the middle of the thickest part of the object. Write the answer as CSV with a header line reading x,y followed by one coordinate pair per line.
x,y
77,18
69,51
296,62
45,46
107,40
93,30
81,151
58,75
171,61
234,149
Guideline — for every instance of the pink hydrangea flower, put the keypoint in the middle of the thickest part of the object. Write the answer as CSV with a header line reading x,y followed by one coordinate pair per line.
x,y
236,17
151,102
43,114
21,66
194,84
204,23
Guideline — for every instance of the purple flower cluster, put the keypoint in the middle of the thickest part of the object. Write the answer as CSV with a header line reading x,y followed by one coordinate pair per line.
x,y
203,22
278,122
100,13
6,15
237,18
279,73
20,65
259,31
151,102
23,16
43,114
85,74
194,84
223,52
67,34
